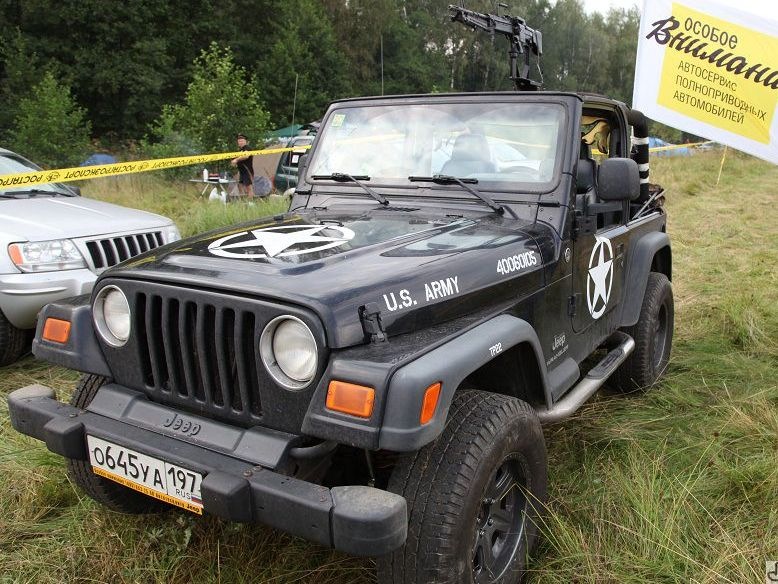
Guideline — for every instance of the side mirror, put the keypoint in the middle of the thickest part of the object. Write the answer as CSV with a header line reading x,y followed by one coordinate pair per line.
x,y
618,180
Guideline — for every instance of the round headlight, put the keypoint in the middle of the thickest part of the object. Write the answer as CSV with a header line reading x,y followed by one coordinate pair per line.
x,y
112,315
288,350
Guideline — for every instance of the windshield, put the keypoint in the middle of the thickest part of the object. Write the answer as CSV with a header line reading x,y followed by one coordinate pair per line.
x,y
510,145
10,164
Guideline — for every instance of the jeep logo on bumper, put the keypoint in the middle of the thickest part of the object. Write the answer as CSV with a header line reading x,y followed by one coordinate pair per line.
x,y
182,425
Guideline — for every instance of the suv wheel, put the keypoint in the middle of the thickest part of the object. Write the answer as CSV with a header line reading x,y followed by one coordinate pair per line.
x,y
653,336
473,496
12,341
108,493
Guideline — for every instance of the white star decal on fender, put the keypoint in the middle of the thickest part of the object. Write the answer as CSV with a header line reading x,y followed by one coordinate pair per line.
x,y
600,278
275,241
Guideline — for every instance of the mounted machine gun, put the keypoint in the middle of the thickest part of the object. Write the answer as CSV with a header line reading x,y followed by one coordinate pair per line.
x,y
523,39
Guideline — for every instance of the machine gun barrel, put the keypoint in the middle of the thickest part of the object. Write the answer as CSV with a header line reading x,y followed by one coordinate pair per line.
x,y
523,39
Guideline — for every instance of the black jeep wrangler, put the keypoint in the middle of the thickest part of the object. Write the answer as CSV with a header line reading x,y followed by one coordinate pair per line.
x,y
371,370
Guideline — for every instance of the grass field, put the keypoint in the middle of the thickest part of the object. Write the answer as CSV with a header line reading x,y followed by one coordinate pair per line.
x,y
676,485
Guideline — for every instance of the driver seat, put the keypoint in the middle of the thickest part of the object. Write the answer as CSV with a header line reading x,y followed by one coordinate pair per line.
x,y
471,154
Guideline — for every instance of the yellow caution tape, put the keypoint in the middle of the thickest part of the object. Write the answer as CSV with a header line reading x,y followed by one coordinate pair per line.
x,y
118,168
660,148
61,175
676,146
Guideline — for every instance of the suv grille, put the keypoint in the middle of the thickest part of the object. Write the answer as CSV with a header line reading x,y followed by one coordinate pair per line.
x,y
198,350
110,251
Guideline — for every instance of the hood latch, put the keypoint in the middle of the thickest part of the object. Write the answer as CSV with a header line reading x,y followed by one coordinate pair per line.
x,y
370,315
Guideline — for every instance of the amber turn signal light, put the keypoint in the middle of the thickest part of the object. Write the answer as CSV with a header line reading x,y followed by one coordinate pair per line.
x,y
430,402
349,398
16,254
56,330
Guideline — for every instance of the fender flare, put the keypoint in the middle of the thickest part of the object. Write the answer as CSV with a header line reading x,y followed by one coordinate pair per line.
x,y
639,265
82,350
449,364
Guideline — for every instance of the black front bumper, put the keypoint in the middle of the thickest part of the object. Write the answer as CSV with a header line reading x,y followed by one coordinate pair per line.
x,y
358,520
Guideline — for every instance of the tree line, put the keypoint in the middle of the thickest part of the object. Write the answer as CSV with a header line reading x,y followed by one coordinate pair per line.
x,y
134,71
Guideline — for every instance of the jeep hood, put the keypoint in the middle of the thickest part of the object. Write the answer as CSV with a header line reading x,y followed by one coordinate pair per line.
x,y
417,268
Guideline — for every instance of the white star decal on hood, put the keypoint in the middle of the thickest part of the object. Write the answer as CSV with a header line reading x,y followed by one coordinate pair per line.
x,y
275,241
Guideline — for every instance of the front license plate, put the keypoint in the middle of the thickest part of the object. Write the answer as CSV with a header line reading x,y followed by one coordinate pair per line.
x,y
146,474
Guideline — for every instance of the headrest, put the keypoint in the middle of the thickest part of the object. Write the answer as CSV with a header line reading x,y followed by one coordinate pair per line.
x,y
470,147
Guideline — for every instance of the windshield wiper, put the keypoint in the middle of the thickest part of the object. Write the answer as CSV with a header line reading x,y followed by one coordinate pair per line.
x,y
445,179
343,177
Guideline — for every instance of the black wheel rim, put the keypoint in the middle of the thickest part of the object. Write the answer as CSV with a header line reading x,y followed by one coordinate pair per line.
x,y
500,522
659,338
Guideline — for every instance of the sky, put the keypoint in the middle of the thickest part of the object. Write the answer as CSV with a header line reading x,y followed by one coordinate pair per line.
x,y
604,5
755,6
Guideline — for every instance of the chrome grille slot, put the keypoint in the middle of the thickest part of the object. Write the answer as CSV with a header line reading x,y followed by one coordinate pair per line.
x,y
108,252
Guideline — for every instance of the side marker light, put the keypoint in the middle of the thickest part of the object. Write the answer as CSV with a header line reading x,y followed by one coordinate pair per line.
x,y
430,402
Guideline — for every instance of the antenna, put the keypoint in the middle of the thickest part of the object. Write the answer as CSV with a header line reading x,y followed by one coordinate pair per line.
x,y
382,63
294,102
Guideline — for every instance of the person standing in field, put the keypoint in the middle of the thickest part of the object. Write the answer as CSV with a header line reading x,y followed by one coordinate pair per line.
x,y
245,165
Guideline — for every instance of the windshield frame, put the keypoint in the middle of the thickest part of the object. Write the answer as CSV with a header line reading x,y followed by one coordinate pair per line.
x,y
502,190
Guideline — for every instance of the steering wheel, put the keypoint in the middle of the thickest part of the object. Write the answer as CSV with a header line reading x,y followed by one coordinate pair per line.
x,y
522,171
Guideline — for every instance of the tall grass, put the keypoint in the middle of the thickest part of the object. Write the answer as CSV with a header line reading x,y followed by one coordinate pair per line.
x,y
679,484
181,201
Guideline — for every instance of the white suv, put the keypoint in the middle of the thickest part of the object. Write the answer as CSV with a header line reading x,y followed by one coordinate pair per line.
x,y
53,243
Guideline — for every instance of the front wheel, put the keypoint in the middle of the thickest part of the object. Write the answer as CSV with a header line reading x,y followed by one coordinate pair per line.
x,y
474,496
108,493
13,341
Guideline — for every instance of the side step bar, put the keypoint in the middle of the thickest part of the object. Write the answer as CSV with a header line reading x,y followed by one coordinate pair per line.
x,y
593,380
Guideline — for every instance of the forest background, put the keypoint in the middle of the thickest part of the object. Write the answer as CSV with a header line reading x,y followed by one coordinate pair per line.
x,y
182,76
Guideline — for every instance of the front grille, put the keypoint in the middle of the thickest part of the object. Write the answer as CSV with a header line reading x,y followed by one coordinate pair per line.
x,y
198,350
112,250
199,353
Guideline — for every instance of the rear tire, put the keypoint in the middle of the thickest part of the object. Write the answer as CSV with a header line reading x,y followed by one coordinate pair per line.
x,y
653,334
13,341
108,493
474,496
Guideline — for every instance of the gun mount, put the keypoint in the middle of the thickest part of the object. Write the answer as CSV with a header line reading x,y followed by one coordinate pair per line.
x,y
523,40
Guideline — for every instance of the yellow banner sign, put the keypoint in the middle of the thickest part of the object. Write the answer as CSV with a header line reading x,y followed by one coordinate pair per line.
x,y
710,70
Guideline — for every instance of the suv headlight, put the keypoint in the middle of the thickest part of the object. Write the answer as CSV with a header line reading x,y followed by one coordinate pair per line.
x,y
171,234
288,350
111,313
46,256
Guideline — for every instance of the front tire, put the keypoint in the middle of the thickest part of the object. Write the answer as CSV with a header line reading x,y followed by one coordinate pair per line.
x,y
474,496
653,334
108,493
13,341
